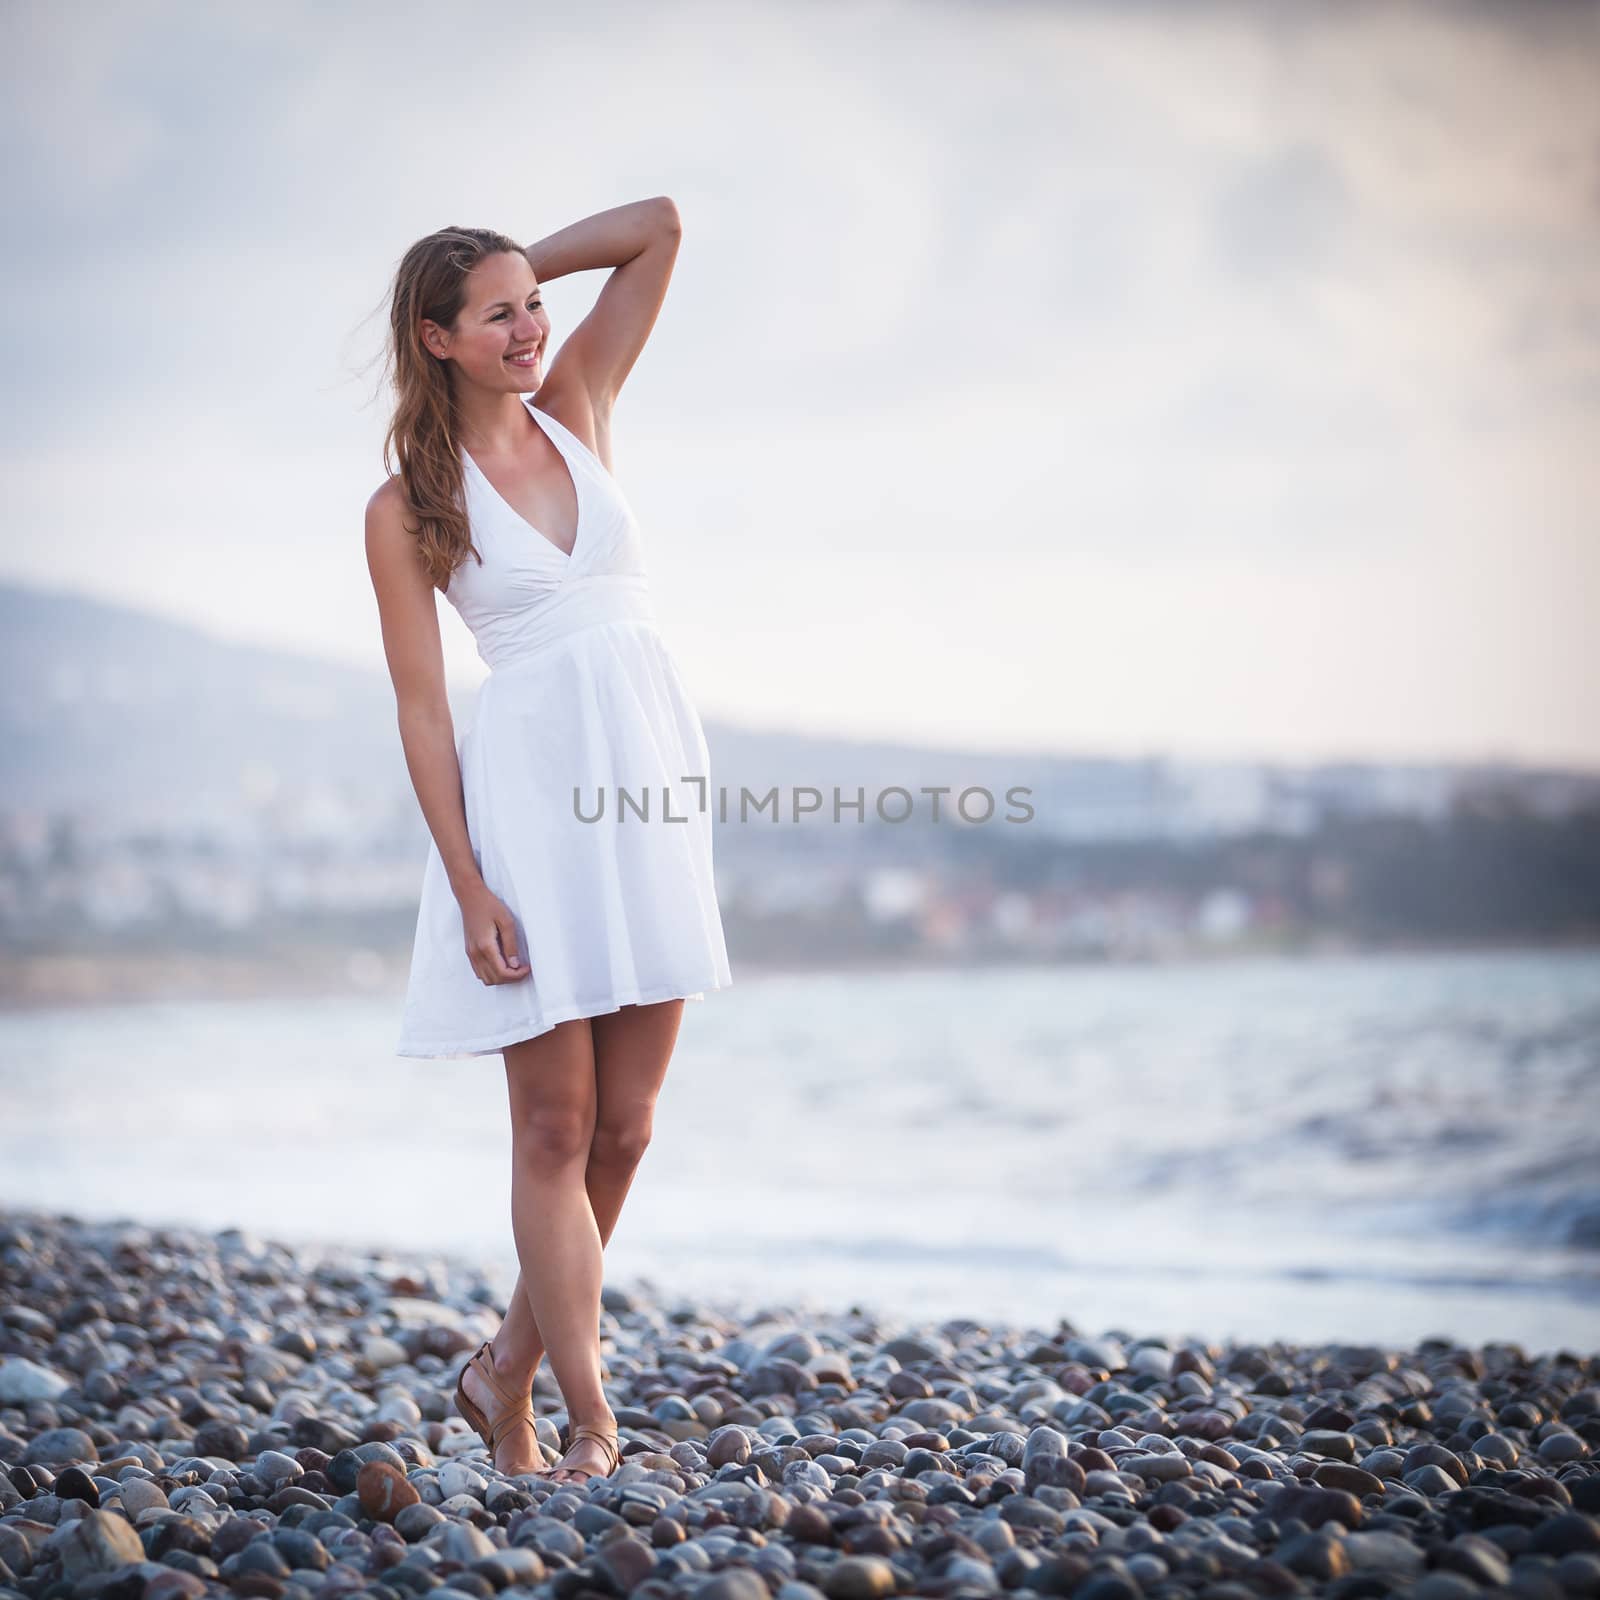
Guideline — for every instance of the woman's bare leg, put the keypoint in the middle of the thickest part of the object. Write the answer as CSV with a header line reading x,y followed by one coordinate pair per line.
x,y
632,1048
550,1081
624,1056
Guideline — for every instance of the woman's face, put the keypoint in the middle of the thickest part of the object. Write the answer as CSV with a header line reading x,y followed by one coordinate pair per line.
x,y
499,338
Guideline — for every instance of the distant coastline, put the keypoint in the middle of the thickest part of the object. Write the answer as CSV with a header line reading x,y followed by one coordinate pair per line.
x,y
312,969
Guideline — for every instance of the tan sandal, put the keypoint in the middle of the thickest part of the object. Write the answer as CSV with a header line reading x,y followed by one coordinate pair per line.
x,y
518,1408
606,1438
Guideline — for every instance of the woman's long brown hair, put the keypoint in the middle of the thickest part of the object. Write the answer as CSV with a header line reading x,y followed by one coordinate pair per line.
x,y
431,282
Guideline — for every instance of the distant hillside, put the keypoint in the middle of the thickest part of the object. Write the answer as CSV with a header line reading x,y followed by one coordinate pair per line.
x,y
110,709
117,713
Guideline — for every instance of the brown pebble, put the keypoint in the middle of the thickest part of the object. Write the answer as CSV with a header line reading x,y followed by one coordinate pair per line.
x,y
808,1525
1315,1506
174,1585
384,1491
1186,1360
262,1585
732,1445
869,1540
1343,1475
665,1532
1210,1425
859,1578
624,1563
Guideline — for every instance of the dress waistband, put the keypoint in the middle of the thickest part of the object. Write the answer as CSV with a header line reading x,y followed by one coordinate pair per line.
x,y
581,602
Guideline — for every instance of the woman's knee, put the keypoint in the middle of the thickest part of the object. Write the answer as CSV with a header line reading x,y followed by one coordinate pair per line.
x,y
551,1138
620,1141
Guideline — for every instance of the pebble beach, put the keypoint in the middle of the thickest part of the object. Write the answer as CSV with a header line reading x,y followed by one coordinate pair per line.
x,y
185,1413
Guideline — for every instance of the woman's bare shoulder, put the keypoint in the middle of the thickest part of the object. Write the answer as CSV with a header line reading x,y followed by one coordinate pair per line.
x,y
390,528
388,509
389,498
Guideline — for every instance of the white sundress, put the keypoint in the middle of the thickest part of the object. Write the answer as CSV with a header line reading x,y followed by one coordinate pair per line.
x,y
582,694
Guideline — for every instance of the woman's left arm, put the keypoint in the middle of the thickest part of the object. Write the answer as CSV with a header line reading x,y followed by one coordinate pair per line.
x,y
639,241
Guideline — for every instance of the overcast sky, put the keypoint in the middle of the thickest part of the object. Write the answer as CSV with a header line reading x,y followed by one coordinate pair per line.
x,y
1207,379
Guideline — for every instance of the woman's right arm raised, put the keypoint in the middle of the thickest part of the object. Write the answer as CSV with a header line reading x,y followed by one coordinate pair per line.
x,y
409,618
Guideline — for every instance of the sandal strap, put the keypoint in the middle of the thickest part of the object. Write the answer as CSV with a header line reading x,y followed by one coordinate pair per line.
x,y
511,1419
606,1438
515,1408
483,1360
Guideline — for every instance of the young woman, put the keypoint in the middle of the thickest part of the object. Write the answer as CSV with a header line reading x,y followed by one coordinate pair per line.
x,y
564,942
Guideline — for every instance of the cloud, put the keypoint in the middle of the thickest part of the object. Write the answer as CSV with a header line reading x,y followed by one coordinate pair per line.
x,y
1283,212
1308,293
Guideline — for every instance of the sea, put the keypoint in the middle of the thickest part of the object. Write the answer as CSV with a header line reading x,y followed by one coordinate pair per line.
x,y
1348,1148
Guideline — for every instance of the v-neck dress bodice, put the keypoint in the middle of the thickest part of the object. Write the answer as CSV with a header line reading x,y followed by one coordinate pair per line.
x,y
526,593
585,778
